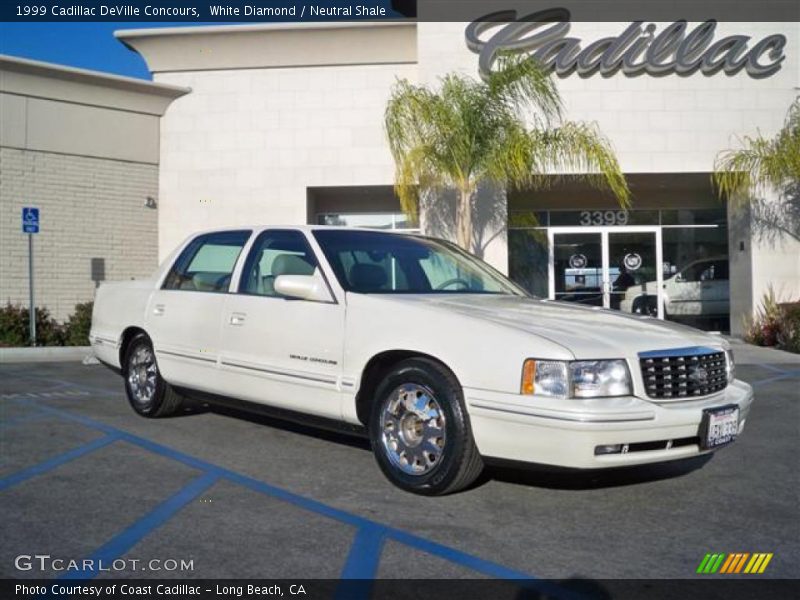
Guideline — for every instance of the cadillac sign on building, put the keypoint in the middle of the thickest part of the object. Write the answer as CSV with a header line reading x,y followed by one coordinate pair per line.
x,y
638,49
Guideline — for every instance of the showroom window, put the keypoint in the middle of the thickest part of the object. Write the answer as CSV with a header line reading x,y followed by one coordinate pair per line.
x,y
591,252
392,221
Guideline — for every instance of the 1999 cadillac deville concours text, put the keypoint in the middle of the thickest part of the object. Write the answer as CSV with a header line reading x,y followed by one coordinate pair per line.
x,y
438,358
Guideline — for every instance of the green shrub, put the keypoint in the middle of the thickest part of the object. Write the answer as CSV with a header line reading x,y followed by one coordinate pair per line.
x,y
76,329
775,324
789,336
14,327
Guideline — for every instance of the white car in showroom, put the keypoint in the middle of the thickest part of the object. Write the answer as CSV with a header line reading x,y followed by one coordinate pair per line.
x,y
442,361
700,289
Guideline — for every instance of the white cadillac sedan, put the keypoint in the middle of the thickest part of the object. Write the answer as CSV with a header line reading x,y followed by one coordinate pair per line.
x,y
438,358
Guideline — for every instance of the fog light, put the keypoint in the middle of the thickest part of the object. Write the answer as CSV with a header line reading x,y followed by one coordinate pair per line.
x,y
608,449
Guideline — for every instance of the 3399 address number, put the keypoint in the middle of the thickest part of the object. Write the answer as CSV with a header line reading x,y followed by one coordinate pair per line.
x,y
603,217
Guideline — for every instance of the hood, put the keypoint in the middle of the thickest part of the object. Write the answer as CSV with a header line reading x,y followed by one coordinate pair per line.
x,y
588,332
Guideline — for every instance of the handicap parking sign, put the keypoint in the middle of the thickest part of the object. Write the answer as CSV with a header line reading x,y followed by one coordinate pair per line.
x,y
30,219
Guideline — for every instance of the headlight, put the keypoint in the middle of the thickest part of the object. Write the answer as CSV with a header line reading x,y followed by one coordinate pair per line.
x,y
577,379
730,367
544,378
599,378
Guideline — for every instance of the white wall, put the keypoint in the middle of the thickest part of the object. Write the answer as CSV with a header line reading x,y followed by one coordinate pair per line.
x,y
669,124
245,145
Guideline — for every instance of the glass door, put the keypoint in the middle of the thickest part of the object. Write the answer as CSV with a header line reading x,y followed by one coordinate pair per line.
x,y
633,274
577,273
612,267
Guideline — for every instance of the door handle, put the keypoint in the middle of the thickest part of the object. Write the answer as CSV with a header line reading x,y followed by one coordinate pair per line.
x,y
158,310
237,319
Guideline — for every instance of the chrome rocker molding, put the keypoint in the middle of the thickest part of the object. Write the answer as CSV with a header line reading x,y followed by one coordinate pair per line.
x,y
187,356
317,379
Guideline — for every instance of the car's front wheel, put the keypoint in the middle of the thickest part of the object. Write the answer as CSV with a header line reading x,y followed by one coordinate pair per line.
x,y
420,430
148,393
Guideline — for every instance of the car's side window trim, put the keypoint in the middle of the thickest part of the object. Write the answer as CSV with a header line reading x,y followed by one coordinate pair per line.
x,y
248,263
190,250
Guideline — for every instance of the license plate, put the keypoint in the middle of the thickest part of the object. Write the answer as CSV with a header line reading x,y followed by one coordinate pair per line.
x,y
719,427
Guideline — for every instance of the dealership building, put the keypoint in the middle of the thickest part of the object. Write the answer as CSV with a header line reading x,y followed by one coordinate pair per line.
x,y
283,124
82,147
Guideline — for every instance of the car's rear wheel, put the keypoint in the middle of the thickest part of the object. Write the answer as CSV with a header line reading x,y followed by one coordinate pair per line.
x,y
420,430
645,305
147,392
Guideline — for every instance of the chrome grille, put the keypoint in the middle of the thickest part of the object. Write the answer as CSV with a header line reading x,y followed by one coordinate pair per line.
x,y
684,373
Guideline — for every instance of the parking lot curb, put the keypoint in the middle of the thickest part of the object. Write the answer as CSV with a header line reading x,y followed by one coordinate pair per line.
x,y
46,354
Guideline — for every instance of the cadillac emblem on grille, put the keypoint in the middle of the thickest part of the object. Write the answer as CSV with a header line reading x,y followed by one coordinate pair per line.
x,y
698,374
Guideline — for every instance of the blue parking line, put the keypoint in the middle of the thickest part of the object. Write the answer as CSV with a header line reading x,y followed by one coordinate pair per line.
x,y
202,465
56,461
361,565
365,553
373,529
103,557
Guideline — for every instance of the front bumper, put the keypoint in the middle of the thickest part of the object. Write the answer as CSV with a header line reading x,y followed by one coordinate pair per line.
x,y
565,433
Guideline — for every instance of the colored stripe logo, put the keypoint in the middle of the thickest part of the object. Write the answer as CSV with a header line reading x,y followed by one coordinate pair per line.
x,y
738,562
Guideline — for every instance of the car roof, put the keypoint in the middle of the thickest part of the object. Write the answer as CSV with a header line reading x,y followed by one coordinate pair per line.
x,y
306,228
706,260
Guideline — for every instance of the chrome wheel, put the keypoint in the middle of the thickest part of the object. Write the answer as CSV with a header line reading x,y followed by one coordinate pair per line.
x,y
413,429
142,375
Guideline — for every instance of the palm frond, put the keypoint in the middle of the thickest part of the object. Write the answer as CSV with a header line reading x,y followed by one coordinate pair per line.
x,y
506,128
522,84
761,162
579,149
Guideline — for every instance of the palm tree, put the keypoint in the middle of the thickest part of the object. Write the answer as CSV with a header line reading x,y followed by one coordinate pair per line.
x,y
505,129
761,162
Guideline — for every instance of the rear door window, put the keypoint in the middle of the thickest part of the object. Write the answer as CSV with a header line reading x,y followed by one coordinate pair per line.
x,y
207,263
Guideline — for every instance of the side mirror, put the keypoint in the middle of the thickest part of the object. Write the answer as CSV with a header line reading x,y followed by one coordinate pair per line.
x,y
678,278
304,287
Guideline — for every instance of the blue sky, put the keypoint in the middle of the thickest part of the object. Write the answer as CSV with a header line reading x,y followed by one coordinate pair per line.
x,y
89,45
85,45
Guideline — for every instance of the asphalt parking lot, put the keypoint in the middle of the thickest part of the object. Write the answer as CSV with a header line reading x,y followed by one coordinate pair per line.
x,y
83,476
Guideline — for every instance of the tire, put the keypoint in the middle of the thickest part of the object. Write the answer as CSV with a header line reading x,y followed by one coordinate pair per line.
x,y
148,393
429,450
645,305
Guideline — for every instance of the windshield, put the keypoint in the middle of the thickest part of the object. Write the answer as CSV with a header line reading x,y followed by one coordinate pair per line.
x,y
371,262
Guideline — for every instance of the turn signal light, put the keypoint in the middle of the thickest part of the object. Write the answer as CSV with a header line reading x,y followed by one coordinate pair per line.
x,y
528,377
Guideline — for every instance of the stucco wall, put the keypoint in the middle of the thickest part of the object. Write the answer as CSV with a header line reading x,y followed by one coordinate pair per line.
x,y
246,144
